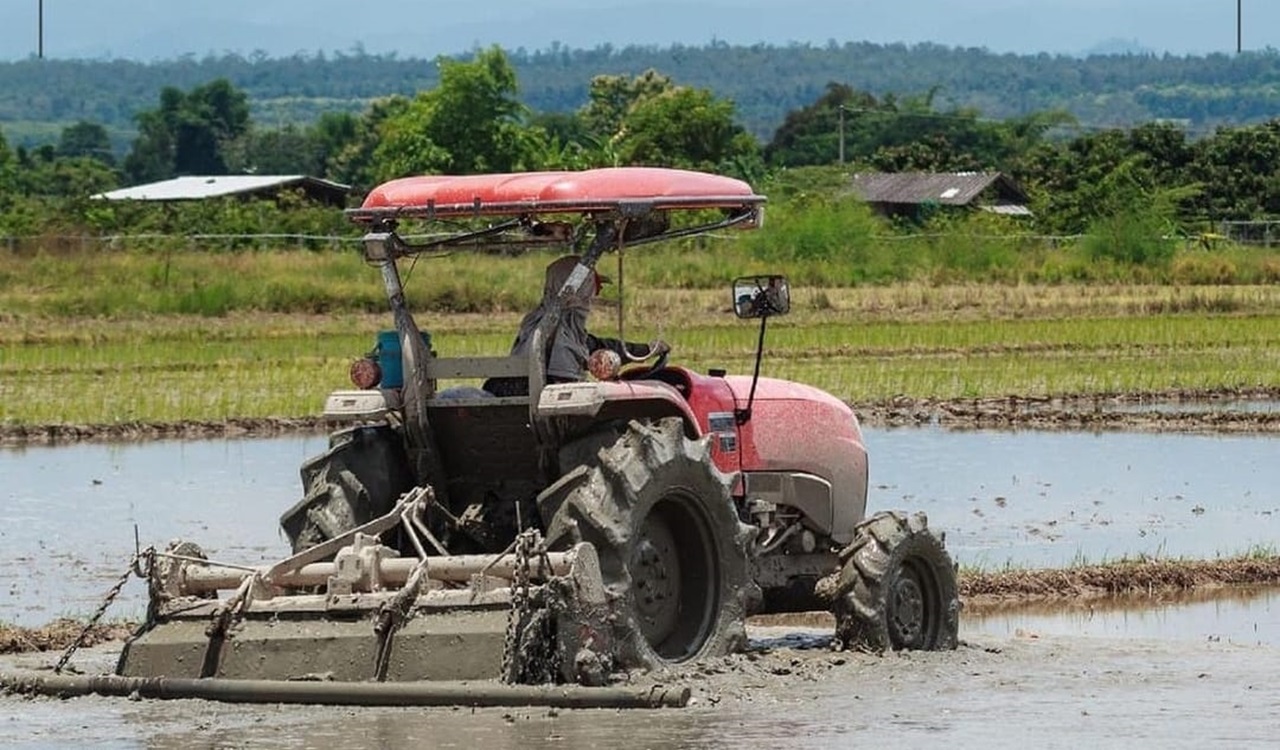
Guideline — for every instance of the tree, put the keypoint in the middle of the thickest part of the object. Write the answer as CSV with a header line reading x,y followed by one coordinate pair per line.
x,y
683,127
470,123
610,98
88,139
810,135
1240,170
8,172
188,133
287,150
353,161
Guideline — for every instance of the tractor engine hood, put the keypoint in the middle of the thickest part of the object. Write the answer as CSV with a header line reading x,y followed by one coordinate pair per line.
x,y
799,428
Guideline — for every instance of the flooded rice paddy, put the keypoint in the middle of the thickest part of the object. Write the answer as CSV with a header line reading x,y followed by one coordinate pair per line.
x,y
1012,498
1191,669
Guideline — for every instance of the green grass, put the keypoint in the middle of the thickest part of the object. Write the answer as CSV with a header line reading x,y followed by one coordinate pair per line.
x,y
190,367
171,333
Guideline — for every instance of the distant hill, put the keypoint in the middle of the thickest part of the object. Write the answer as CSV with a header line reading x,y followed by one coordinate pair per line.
x,y
38,97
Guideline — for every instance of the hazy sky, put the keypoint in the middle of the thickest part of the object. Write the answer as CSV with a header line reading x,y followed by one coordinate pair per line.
x,y
152,29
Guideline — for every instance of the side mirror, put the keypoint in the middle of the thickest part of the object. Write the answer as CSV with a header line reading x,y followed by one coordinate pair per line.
x,y
761,296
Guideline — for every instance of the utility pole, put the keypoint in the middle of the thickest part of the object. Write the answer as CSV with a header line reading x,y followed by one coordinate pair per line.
x,y
1239,26
40,30
841,134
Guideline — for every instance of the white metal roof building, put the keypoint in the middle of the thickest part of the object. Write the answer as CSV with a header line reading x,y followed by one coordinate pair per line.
x,y
196,188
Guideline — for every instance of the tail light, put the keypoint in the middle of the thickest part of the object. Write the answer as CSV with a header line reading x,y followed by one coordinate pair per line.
x,y
365,373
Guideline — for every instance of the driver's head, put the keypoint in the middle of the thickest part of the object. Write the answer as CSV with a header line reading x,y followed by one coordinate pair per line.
x,y
558,272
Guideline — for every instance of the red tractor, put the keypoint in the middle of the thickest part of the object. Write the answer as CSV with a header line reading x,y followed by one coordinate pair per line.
x,y
572,529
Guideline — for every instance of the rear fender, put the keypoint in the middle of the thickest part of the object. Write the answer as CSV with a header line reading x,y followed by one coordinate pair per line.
x,y
578,405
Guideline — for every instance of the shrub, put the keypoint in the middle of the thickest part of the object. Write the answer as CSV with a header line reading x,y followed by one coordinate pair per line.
x,y
1134,237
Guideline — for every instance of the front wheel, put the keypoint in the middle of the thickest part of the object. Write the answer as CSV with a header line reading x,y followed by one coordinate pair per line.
x,y
896,588
672,551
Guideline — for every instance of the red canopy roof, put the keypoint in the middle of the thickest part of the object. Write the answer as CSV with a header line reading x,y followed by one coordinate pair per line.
x,y
554,192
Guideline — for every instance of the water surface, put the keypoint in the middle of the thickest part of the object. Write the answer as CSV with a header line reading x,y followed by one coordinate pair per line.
x,y
1028,499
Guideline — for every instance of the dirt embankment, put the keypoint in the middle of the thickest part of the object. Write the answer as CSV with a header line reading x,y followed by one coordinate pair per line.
x,y
1175,411
1145,578
56,434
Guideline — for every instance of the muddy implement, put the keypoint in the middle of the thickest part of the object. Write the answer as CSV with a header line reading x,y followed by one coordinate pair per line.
x,y
348,694
369,614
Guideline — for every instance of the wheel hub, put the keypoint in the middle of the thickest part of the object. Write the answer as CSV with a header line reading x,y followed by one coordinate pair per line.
x,y
907,615
655,574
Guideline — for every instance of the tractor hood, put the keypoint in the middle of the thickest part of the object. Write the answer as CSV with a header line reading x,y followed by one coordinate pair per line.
x,y
772,389
799,428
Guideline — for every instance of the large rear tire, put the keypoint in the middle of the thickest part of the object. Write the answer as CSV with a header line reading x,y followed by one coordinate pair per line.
x,y
358,479
896,588
673,553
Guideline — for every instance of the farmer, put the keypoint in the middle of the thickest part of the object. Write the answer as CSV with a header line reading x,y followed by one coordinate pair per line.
x,y
571,344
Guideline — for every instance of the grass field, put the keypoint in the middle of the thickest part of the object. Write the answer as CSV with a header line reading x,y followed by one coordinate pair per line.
x,y
863,344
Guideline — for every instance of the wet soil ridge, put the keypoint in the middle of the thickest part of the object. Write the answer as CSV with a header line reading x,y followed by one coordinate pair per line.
x,y
1174,411
58,434
1203,411
1150,577
58,635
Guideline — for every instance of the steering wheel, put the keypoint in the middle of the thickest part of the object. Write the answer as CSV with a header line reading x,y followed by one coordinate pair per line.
x,y
646,371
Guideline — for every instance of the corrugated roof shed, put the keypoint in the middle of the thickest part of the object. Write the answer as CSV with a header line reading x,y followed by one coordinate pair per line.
x,y
946,188
199,188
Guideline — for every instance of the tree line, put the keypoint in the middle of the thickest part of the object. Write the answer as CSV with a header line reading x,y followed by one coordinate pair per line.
x,y
763,81
474,119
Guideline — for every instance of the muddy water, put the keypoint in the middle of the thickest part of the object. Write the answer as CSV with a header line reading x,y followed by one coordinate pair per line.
x,y
1048,499
994,693
1190,672
70,514
1040,499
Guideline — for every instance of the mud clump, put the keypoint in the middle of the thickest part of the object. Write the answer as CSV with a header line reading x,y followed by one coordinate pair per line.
x,y
58,635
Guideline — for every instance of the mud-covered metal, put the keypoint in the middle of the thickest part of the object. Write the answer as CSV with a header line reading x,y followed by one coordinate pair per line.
x,y
374,614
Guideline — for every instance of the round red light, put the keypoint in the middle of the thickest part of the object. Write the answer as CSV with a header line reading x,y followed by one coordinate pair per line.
x,y
365,373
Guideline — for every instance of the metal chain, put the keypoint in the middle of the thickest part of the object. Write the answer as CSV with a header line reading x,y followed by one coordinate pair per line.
x,y
130,571
511,658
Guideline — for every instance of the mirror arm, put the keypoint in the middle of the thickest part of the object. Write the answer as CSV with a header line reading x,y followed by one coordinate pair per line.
x,y
742,416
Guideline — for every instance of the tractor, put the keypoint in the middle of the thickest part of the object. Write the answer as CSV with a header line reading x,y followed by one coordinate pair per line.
x,y
573,531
